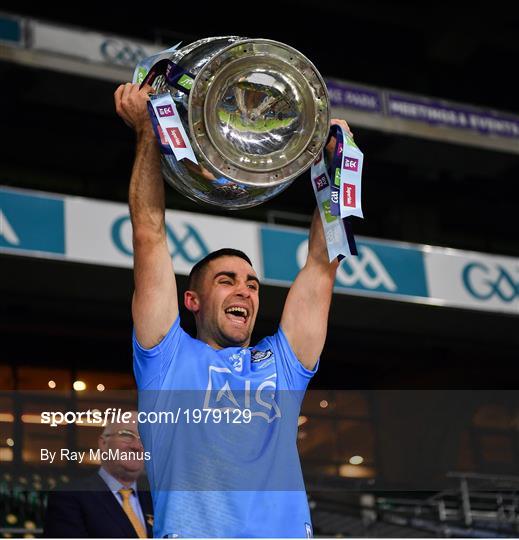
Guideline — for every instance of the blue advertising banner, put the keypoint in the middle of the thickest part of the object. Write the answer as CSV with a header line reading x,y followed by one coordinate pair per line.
x,y
354,97
99,232
32,222
451,115
11,30
380,268
422,110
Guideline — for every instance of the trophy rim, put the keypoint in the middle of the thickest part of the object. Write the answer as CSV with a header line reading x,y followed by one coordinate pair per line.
x,y
222,166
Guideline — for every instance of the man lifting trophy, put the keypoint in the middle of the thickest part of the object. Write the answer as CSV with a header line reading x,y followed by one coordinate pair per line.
x,y
231,122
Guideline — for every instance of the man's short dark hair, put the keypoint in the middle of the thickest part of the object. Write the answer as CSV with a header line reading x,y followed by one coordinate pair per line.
x,y
196,271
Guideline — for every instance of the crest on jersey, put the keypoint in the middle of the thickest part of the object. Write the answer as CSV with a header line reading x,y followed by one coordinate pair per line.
x,y
259,356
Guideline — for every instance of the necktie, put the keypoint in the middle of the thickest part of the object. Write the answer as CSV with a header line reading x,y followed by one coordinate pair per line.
x,y
132,516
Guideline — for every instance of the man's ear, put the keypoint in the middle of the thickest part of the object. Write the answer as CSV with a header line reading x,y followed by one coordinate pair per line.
x,y
191,301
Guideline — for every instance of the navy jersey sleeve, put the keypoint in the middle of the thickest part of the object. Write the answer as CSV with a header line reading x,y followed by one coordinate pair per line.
x,y
151,365
295,374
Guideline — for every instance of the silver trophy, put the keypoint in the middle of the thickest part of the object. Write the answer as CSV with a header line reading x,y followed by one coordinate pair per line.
x,y
257,116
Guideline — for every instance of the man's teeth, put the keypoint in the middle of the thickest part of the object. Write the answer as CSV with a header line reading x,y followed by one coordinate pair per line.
x,y
237,311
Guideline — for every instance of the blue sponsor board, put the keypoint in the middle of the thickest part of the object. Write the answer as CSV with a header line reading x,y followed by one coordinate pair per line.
x,y
451,115
379,268
423,110
279,253
11,31
31,222
354,97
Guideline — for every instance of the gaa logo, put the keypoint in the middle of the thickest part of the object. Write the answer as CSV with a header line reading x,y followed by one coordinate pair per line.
x,y
350,164
184,242
365,271
321,182
165,110
122,52
349,195
176,137
485,282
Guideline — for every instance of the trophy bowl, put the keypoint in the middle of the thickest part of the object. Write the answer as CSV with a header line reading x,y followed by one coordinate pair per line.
x,y
257,116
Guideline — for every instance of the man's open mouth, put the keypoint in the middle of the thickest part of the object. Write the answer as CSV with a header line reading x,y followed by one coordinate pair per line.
x,y
237,313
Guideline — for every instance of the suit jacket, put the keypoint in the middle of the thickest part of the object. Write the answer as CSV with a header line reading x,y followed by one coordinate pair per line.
x,y
90,510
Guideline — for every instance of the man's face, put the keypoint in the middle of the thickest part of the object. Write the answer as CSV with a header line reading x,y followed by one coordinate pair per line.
x,y
124,437
228,302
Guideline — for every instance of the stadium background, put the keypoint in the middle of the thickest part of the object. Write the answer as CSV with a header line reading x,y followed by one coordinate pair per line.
x,y
424,393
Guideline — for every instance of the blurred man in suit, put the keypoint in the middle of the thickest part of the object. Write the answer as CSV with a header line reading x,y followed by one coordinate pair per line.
x,y
107,504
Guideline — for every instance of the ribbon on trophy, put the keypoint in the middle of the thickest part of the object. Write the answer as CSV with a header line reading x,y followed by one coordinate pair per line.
x,y
165,119
143,68
340,199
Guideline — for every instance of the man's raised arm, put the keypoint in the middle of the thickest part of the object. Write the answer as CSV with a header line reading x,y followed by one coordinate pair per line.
x,y
305,315
155,304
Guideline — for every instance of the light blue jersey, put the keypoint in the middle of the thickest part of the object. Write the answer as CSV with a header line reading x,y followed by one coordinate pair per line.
x,y
225,464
